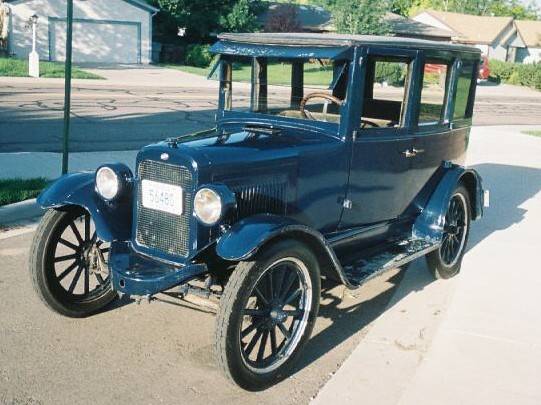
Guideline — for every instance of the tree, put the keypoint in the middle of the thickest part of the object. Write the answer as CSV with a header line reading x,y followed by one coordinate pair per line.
x,y
282,18
514,9
242,17
200,18
361,17
507,8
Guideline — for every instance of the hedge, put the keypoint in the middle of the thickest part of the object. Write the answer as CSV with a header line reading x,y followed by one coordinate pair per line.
x,y
392,73
198,56
528,74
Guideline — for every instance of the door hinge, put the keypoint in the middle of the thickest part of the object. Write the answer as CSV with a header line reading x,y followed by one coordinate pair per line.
x,y
354,135
347,204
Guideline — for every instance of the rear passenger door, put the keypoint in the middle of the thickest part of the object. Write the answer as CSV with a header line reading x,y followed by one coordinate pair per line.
x,y
442,125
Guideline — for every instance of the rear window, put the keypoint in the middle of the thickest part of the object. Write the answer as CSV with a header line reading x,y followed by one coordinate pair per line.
x,y
433,93
463,89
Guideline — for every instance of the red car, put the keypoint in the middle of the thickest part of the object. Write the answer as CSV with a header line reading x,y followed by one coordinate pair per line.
x,y
484,69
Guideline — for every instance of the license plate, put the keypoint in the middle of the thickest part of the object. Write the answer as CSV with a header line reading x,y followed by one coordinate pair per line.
x,y
162,197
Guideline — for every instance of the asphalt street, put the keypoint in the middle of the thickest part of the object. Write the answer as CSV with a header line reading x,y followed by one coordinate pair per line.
x,y
111,117
103,118
152,353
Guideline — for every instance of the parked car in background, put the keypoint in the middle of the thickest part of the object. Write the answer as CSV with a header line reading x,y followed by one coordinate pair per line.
x,y
484,69
312,170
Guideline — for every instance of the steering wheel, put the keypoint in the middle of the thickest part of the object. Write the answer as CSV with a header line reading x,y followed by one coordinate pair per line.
x,y
366,123
307,114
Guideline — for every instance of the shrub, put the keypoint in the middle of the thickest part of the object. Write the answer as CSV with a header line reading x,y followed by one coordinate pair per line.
x,y
390,72
516,73
198,56
501,71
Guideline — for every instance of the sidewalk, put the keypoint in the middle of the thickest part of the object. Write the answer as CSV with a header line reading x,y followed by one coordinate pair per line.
x,y
475,339
128,76
27,165
49,165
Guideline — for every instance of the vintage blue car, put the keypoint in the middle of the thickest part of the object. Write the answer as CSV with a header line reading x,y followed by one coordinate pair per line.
x,y
334,156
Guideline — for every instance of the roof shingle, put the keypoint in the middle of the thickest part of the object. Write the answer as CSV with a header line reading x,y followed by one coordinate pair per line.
x,y
530,32
472,29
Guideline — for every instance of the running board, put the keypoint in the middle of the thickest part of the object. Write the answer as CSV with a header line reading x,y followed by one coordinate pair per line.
x,y
395,256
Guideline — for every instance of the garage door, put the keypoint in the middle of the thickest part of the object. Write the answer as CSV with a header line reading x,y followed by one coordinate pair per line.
x,y
97,41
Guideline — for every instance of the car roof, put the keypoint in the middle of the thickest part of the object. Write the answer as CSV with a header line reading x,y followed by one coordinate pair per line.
x,y
340,40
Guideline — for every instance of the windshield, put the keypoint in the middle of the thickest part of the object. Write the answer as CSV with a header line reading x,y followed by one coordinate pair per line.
x,y
306,89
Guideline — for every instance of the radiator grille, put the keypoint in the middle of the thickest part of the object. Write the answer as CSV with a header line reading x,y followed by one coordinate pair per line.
x,y
161,230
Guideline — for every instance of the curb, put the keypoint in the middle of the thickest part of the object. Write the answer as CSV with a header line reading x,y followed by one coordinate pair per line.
x,y
20,213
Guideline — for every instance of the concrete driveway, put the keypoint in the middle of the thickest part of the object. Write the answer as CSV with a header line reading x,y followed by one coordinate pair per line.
x,y
140,105
474,339
401,338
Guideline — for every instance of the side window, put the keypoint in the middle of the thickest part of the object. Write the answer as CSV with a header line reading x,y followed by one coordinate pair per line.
x,y
385,92
463,89
433,92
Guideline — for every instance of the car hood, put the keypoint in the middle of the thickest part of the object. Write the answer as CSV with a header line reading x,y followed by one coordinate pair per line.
x,y
214,156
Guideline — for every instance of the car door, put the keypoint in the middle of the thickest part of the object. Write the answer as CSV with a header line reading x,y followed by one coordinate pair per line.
x,y
381,183
443,122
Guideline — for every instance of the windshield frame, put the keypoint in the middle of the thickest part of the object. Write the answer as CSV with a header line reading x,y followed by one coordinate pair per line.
x,y
227,115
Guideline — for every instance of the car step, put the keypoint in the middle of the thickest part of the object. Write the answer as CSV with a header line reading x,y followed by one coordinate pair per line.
x,y
394,256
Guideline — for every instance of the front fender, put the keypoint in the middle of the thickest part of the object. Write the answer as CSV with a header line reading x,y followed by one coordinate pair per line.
x,y
247,236
112,219
430,222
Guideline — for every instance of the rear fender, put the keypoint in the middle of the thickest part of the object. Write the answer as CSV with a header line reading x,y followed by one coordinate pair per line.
x,y
248,236
112,219
430,222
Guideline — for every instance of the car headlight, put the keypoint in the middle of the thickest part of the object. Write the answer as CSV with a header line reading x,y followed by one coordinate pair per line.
x,y
113,180
208,206
107,184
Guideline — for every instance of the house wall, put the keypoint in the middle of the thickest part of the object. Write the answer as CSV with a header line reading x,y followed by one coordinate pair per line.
x,y
111,10
483,47
499,48
528,55
497,51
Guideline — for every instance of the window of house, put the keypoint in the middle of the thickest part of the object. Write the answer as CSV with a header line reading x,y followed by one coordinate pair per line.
x,y
463,89
432,105
385,94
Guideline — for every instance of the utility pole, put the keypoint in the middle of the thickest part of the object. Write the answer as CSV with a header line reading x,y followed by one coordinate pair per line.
x,y
67,94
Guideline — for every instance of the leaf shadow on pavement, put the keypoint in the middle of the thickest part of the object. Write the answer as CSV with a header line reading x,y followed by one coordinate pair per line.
x,y
510,186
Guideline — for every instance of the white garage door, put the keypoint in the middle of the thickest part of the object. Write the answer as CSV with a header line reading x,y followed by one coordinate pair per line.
x,y
97,41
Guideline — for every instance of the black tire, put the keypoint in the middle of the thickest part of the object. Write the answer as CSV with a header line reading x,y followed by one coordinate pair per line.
x,y
290,266
446,262
51,283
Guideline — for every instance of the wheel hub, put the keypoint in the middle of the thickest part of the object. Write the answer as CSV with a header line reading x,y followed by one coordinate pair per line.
x,y
278,315
452,229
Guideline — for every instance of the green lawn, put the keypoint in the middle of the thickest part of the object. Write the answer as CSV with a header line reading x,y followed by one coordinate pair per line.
x,y
277,73
533,133
15,190
19,68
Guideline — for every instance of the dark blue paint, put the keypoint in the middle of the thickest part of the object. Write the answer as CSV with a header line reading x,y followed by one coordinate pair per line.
x,y
248,235
306,52
429,224
134,274
324,164
112,219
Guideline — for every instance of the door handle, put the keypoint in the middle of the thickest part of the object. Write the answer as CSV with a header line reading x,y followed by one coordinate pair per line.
x,y
409,153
